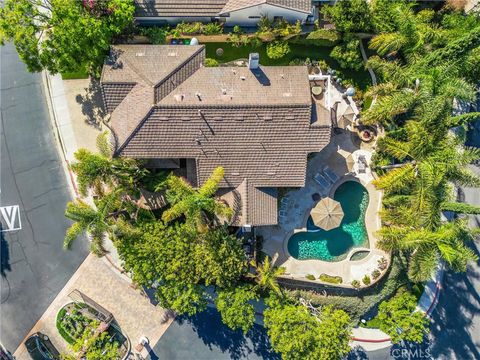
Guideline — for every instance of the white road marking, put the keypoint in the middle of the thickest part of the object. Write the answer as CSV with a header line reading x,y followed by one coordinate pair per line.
x,y
10,216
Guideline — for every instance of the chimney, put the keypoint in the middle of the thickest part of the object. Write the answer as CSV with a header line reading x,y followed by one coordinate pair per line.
x,y
253,61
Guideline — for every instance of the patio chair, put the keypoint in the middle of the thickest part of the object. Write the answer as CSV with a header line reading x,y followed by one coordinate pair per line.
x,y
330,174
320,180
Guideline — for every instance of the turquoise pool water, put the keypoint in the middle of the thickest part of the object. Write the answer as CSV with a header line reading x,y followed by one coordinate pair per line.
x,y
333,245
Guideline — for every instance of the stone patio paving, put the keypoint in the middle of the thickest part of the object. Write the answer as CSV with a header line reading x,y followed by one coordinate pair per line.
x,y
296,210
133,312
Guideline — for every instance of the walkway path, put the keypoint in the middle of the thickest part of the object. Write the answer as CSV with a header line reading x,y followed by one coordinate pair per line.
x,y
95,278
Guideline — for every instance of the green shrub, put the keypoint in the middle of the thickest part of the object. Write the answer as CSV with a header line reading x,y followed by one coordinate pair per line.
x,y
376,274
366,280
324,37
356,284
156,35
357,305
63,333
330,279
189,28
310,277
277,49
209,62
297,62
212,29
264,24
348,55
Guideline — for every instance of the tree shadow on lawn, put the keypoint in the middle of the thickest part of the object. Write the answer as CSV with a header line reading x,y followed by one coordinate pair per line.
x,y
457,315
210,329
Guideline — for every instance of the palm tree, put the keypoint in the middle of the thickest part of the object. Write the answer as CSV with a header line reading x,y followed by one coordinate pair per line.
x,y
199,206
96,220
266,275
100,170
447,242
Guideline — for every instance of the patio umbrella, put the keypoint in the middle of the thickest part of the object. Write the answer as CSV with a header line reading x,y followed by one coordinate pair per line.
x,y
327,214
347,117
350,162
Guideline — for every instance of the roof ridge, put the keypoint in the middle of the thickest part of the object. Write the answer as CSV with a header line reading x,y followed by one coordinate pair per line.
x,y
200,49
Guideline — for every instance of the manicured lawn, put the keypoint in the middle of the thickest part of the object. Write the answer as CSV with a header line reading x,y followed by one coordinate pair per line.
x,y
80,74
360,79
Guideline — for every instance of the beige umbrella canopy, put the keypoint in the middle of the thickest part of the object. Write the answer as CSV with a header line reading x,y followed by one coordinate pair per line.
x,y
347,117
327,214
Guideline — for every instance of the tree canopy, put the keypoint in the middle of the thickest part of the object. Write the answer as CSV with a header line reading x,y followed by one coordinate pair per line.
x,y
235,307
63,35
399,319
180,261
297,334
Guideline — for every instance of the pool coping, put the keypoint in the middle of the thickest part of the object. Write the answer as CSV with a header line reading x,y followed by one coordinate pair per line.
x,y
372,226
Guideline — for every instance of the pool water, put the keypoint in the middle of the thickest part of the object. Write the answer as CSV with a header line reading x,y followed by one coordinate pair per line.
x,y
333,245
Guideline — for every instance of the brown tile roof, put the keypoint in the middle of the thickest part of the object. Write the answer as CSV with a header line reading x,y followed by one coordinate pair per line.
x,y
178,8
145,63
240,86
298,5
266,144
251,205
258,125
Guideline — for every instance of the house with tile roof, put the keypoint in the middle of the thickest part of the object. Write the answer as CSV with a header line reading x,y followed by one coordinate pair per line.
x,y
259,123
230,12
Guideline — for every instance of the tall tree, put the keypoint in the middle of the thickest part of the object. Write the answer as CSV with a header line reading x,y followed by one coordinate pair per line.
x,y
448,242
199,206
266,275
399,319
297,334
97,221
235,307
63,35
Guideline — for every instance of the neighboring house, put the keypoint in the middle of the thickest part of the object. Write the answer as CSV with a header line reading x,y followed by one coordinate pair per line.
x,y
258,123
231,12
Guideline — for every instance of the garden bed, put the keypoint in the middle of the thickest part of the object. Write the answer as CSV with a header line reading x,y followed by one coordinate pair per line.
x,y
74,318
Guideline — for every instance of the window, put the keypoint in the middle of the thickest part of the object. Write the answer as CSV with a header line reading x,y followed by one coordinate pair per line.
x,y
255,17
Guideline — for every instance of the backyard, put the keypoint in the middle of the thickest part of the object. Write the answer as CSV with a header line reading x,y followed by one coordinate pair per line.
x,y
359,78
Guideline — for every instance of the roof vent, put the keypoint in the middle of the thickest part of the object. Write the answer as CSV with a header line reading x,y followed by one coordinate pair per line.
x,y
253,61
287,94
179,97
243,78
140,54
218,118
172,54
163,118
224,91
235,173
282,76
197,141
268,117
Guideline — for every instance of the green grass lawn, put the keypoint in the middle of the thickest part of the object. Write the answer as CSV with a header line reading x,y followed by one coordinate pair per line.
x,y
360,79
79,74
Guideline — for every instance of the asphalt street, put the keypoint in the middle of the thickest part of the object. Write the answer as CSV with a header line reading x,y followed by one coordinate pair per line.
x,y
34,192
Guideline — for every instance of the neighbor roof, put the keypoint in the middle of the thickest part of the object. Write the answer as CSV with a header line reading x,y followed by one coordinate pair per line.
x,y
178,8
298,5
259,125
209,8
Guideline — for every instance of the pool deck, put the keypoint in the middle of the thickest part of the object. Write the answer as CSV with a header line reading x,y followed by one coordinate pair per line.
x,y
298,203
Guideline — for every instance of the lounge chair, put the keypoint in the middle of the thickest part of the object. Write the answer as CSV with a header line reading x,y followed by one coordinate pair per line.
x,y
320,180
330,174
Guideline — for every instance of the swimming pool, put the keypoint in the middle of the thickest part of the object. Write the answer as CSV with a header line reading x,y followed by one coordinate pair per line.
x,y
333,245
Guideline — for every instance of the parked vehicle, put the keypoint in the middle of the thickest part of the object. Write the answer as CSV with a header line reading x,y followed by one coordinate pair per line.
x,y
40,347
